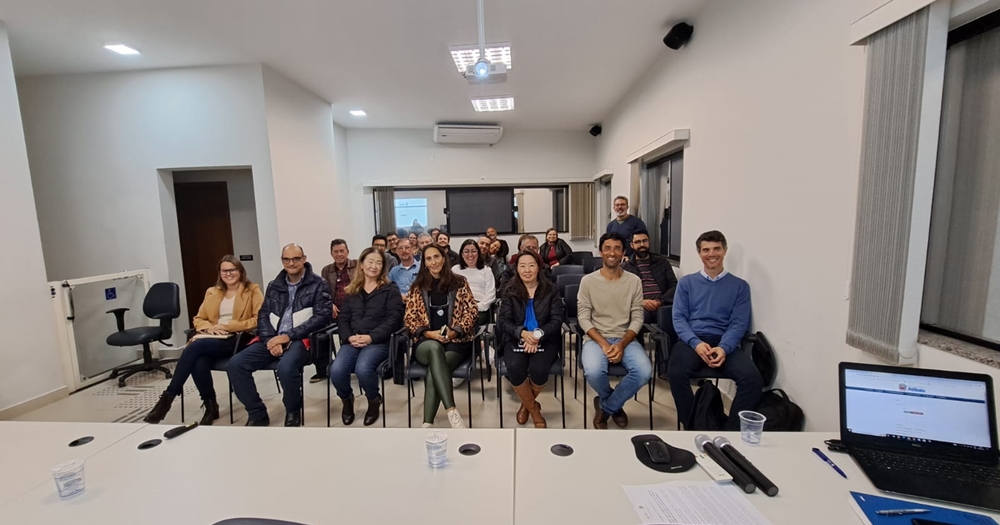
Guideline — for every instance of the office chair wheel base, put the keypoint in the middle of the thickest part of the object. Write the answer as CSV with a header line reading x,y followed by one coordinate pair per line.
x,y
121,383
114,374
168,374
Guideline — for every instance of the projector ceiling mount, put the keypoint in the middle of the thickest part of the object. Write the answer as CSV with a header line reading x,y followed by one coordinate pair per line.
x,y
484,71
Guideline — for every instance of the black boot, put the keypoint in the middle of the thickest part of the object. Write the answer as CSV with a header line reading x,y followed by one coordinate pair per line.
x,y
161,409
211,412
371,415
347,415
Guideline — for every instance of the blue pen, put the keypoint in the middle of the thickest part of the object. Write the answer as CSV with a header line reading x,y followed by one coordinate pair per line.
x,y
830,462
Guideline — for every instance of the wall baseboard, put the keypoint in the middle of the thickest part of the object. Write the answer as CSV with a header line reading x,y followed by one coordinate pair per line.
x,y
21,409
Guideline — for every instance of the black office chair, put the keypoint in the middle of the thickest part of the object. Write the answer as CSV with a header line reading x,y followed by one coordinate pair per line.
x,y
664,343
557,371
566,269
572,328
578,257
163,303
592,264
414,370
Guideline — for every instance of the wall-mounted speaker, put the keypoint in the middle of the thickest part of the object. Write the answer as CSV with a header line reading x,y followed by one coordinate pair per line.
x,y
678,35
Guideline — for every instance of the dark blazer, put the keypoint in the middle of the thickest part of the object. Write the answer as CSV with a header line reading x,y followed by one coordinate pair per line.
x,y
549,311
662,272
563,252
313,293
378,315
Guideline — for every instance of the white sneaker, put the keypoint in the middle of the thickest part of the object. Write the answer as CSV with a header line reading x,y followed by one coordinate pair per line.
x,y
455,419
457,382
426,425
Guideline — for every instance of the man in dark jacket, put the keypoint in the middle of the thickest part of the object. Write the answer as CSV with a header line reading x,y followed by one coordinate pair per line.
x,y
658,279
297,303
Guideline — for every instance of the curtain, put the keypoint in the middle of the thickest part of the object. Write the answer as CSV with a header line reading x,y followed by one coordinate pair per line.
x,y
581,210
385,210
893,92
959,294
635,190
650,209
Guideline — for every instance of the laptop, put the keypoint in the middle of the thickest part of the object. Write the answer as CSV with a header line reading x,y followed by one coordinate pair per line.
x,y
925,433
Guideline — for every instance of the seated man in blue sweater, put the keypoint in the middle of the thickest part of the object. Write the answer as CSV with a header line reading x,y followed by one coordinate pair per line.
x,y
711,316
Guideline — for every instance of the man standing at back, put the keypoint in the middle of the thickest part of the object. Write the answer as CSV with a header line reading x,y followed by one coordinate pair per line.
x,y
711,316
624,224
338,275
609,311
297,303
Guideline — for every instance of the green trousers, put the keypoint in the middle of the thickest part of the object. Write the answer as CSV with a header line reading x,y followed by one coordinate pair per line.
x,y
440,361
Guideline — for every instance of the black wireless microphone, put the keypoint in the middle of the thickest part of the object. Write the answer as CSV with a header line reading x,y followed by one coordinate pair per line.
x,y
176,431
744,464
740,479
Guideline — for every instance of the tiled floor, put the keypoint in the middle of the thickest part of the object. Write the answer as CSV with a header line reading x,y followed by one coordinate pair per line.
x,y
106,402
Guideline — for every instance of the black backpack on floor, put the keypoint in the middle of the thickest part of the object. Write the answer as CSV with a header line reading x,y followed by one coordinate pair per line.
x,y
782,414
707,412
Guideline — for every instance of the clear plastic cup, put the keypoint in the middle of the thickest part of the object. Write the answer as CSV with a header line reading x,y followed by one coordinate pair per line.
x,y
751,426
69,478
437,449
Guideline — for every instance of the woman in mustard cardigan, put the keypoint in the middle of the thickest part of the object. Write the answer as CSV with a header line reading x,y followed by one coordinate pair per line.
x,y
230,306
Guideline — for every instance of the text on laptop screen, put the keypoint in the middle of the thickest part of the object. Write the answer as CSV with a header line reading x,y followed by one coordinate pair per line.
x,y
917,408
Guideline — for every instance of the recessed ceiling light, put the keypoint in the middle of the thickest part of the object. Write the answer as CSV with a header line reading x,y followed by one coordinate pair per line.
x,y
503,103
358,112
121,49
465,56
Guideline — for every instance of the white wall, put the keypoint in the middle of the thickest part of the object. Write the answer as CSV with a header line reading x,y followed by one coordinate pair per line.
x,y
409,157
775,117
30,365
96,141
242,213
307,189
774,112
101,147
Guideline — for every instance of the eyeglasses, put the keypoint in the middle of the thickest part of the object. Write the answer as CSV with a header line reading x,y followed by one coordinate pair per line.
x,y
229,271
291,260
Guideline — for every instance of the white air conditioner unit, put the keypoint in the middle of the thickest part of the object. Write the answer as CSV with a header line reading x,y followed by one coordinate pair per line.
x,y
467,134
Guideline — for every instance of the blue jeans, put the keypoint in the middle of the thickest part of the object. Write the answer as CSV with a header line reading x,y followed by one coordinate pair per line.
x,y
257,357
363,362
595,370
685,364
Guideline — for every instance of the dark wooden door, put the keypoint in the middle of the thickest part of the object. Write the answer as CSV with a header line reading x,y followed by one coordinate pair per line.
x,y
206,234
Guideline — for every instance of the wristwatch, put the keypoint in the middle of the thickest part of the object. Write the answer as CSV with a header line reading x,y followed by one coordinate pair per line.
x,y
538,333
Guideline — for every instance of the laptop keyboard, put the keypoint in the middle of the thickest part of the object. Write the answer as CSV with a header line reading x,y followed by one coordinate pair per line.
x,y
929,467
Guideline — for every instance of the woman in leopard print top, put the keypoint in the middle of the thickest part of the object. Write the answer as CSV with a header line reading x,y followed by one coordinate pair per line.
x,y
441,317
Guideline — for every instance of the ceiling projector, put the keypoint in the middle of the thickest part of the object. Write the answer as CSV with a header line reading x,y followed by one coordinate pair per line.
x,y
484,72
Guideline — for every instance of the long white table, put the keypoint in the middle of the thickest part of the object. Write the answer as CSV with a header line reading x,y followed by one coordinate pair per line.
x,y
307,475
31,449
585,487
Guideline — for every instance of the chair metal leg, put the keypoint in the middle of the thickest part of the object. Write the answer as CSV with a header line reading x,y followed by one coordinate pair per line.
x,y
499,397
232,421
409,412
562,397
383,403
652,382
328,402
469,385
182,405
276,381
585,403
482,384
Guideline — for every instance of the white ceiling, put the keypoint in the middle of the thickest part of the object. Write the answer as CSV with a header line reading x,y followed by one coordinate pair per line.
x,y
572,59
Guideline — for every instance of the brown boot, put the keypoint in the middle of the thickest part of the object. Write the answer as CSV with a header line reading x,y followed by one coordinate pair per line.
x,y
536,414
527,395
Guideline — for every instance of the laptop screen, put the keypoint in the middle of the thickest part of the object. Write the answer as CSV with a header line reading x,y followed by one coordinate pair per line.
x,y
922,410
